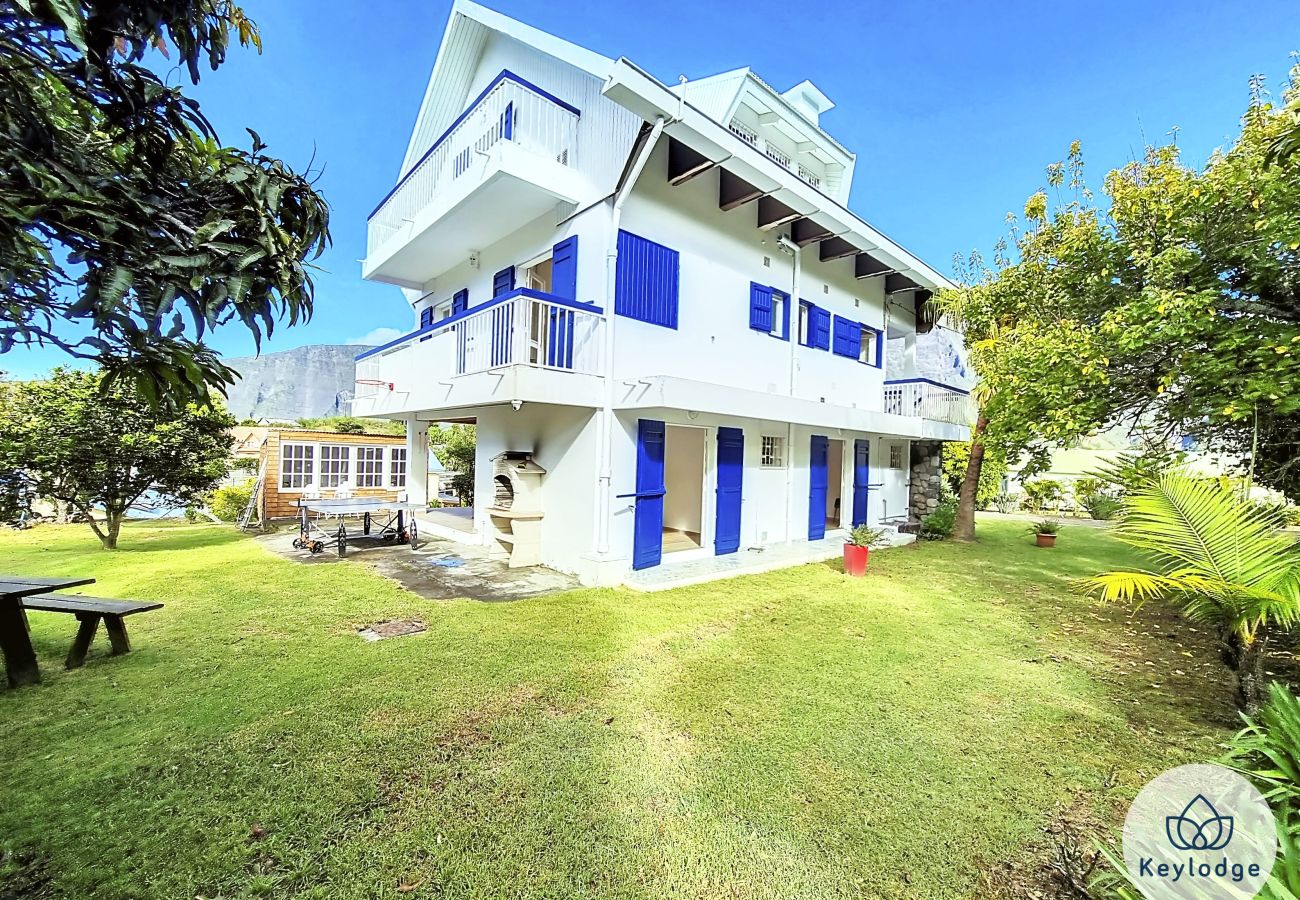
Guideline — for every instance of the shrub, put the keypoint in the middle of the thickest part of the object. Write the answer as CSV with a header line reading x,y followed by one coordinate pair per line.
x,y
1039,494
245,464
227,503
939,524
1103,507
866,536
1006,502
956,456
1046,526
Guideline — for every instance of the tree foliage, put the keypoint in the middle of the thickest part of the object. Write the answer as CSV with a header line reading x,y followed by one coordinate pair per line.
x,y
956,459
1174,303
127,231
1218,556
100,449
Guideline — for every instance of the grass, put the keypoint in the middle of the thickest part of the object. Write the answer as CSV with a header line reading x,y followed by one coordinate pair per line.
x,y
794,734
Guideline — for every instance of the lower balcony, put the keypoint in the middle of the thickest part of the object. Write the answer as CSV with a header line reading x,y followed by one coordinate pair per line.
x,y
929,400
525,346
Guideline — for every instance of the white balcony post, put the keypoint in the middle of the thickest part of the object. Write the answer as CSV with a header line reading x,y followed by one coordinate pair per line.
x,y
417,462
521,323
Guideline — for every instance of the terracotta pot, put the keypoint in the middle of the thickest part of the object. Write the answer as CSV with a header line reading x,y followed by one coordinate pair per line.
x,y
1046,540
855,560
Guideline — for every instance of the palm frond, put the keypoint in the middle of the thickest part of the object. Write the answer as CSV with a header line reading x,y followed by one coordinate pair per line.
x,y
1202,530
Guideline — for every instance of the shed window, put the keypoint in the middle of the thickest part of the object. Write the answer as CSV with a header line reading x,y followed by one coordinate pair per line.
x,y
296,465
335,462
370,467
397,467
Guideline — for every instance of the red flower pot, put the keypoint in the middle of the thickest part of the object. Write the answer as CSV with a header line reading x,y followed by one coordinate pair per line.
x,y
1046,540
855,560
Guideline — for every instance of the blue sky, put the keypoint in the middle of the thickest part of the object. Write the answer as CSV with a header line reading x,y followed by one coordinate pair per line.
x,y
954,109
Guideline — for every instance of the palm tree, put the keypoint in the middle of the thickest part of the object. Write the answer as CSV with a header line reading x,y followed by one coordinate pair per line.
x,y
1221,558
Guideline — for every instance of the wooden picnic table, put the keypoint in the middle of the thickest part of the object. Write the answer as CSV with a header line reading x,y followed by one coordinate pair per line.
x,y
15,637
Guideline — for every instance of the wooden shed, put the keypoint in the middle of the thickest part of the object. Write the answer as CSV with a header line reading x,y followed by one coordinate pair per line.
x,y
296,460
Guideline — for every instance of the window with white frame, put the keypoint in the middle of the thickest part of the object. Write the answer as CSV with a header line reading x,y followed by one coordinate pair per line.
x,y
897,456
772,452
397,467
370,467
297,465
334,464
867,350
804,316
780,316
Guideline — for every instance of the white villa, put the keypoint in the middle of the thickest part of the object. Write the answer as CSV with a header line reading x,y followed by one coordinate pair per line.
x,y
676,341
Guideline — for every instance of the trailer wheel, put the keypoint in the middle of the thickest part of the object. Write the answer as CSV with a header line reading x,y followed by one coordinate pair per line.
x,y
317,547
297,544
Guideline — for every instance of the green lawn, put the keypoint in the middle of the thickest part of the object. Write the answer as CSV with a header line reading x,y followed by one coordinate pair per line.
x,y
794,734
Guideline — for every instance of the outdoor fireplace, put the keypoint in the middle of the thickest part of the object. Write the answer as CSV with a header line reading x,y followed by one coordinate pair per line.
x,y
516,510
505,493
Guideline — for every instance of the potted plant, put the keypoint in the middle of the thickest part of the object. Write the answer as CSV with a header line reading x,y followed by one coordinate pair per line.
x,y
1044,533
858,547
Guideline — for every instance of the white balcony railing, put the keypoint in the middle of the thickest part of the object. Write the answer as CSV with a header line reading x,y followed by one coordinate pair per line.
x,y
509,110
524,327
929,400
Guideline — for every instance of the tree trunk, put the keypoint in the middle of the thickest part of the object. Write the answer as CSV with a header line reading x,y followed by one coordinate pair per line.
x,y
112,527
964,525
1246,657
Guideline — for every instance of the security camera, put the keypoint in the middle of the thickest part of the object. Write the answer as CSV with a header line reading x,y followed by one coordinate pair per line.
x,y
515,404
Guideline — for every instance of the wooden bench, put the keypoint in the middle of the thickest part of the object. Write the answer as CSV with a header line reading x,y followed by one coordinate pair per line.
x,y
89,611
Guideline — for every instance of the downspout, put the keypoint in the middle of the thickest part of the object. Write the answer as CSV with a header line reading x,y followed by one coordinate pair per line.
x,y
605,436
794,250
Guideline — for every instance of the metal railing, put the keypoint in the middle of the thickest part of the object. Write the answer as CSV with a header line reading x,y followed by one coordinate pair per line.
x,y
929,400
524,327
510,109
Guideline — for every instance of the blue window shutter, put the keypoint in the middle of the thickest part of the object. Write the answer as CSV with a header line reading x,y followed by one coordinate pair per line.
x,y
426,317
503,282
861,479
564,268
760,307
460,301
731,469
848,338
818,481
648,519
647,281
820,329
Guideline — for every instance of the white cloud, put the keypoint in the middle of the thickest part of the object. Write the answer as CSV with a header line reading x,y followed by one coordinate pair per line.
x,y
377,337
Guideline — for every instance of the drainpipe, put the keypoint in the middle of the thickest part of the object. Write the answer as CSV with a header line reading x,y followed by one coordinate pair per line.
x,y
793,249
605,435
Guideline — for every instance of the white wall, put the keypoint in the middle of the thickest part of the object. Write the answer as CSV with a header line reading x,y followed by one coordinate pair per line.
x,y
563,441
721,254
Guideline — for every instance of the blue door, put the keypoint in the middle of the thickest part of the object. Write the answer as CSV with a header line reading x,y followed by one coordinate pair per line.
x,y
861,475
648,527
731,467
817,482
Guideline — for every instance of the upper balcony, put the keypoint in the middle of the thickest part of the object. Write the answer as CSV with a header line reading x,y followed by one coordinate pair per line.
x,y
524,345
506,160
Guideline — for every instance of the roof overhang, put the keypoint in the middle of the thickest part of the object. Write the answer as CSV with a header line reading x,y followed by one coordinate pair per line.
x,y
634,89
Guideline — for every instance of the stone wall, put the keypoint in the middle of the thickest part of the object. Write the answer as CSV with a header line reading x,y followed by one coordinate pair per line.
x,y
927,473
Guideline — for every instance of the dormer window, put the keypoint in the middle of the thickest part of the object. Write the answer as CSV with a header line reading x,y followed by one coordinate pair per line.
x,y
744,132
777,154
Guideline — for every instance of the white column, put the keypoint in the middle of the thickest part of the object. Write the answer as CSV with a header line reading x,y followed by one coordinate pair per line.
x,y
417,461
